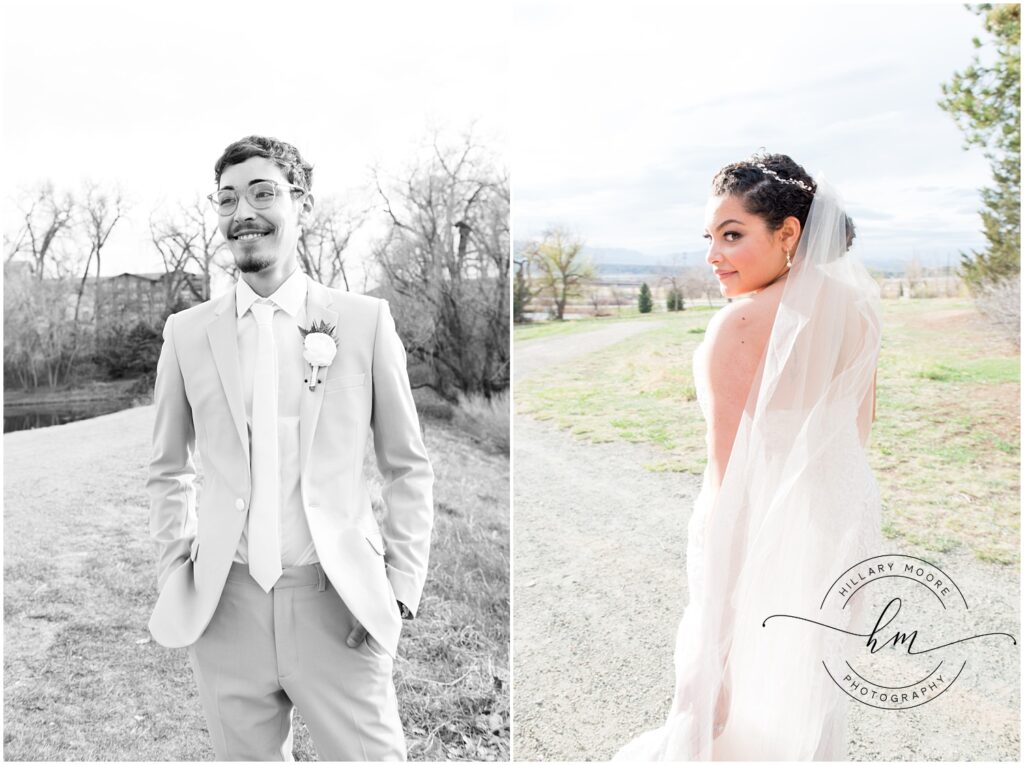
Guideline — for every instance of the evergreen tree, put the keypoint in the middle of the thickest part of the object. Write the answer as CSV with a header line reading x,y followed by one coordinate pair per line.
x,y
675,302
646,303
521,294
984,101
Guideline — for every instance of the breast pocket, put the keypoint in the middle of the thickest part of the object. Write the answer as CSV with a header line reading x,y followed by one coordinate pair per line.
x,y
342,382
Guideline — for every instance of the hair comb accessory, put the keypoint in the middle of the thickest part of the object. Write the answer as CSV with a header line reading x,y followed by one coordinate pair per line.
x,y
776,176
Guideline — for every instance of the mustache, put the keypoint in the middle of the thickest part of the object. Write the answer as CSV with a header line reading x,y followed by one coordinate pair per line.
x,y
238,230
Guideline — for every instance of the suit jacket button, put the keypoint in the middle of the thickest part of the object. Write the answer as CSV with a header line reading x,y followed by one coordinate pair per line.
x,y
240,504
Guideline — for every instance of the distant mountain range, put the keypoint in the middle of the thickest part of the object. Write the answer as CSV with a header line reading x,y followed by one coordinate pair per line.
x,y
623,260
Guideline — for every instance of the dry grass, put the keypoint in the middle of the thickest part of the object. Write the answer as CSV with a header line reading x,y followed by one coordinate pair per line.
x,y
485,420
946,445
640,390
82,680
452,674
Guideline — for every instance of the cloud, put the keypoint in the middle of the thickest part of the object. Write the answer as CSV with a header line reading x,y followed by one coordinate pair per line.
x,y
621,132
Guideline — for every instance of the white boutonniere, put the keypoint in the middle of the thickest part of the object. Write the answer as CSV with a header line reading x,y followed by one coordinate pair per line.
x,y
318,348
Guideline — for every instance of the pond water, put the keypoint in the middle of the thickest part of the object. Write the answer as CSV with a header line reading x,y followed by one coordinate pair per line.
x,y
45,415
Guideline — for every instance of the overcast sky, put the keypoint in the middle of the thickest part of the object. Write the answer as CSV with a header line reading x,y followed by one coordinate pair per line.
x,y
617,114
149,94
624,112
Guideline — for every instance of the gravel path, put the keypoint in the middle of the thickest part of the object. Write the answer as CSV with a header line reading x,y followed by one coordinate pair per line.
x,y
536,354
599,585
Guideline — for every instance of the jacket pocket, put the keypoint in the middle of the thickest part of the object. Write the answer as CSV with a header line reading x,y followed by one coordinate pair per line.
x,y
344,381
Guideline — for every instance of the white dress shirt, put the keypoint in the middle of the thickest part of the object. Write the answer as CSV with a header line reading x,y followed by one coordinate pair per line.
x,y
290,298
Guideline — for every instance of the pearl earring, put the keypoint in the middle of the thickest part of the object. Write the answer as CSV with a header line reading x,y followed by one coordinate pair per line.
x,y
789,259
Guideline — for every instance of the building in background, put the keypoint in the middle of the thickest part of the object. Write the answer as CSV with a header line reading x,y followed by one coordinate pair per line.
x,y
127,299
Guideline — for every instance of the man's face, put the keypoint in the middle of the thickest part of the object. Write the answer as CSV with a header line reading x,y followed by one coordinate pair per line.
x,y
276,228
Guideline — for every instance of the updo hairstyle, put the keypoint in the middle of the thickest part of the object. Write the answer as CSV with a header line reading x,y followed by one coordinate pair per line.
x,y
770,197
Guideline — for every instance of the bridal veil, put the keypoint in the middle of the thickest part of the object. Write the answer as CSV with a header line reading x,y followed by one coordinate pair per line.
x,y
796,507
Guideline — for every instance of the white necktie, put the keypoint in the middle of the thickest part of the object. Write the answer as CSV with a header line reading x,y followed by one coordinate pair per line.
x,y
264,535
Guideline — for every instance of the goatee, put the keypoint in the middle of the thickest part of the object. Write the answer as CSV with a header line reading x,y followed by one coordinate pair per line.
x,y
252,264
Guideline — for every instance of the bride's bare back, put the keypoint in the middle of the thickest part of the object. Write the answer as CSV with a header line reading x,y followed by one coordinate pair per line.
x,y
735,342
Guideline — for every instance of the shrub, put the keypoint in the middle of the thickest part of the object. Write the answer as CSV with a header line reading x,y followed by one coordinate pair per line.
x,y
124,352
675,301
1000,302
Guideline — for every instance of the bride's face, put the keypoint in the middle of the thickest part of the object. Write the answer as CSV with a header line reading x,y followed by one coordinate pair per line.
x,y
744,253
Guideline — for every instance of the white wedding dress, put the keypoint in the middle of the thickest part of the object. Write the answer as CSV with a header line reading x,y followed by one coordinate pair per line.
x,y
797,506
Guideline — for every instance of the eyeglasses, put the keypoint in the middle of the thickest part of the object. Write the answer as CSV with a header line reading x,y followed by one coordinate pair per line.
x,y
260,196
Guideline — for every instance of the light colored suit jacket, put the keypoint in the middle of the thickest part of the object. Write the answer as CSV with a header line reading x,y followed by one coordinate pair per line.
x,y
199,406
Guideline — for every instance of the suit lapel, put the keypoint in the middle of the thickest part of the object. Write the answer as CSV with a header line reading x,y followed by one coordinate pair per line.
x,y
223,335
318,309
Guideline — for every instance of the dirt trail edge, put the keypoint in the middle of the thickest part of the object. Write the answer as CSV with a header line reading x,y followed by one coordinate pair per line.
x,y
600,584
534,355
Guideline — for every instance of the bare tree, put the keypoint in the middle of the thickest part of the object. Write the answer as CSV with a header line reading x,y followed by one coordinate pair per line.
x,y
175,244
100,212
699,282
674,278
46,217
323,243
183,237
14,243
40,341
207,252
594,297
563,271
618,298
445,266
43,336
914,275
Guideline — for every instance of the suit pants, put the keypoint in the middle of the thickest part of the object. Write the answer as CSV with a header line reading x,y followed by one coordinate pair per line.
x,y
263,652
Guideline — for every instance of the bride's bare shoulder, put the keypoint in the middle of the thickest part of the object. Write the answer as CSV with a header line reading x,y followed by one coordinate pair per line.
x,y
739,331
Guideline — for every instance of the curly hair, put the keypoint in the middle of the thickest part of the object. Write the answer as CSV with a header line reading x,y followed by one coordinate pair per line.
x,y
297,170
769,197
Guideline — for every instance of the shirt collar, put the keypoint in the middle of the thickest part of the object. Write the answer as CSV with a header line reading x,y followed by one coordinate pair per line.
x,y
289,297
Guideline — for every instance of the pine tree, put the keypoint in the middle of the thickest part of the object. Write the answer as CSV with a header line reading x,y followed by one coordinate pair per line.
x,y
675,302
521,294
984,101
646,304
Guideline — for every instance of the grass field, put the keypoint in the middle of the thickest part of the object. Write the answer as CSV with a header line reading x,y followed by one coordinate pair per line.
x,y
83,680
533,330
945,447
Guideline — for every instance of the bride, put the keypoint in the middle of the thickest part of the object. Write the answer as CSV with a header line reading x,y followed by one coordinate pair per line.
x,y
785,379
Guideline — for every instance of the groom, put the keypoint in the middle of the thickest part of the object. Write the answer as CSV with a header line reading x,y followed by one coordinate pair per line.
x,y
274,572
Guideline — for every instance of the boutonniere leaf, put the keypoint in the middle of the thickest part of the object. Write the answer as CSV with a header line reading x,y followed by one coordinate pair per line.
x,y
319,326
